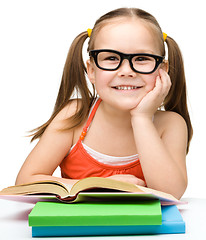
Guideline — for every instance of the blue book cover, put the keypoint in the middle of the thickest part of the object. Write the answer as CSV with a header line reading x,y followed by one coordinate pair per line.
x,y
172,223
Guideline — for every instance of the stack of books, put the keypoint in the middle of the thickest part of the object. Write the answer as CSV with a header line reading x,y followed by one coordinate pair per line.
x,y
99,206
50,219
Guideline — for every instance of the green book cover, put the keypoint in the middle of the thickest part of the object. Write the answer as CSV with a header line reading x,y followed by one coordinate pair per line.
x,y
96,214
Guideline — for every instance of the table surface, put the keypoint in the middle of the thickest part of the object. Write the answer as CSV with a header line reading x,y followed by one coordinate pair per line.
x,y
14,222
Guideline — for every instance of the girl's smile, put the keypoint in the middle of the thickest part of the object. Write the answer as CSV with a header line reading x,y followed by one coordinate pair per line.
x,y
123,87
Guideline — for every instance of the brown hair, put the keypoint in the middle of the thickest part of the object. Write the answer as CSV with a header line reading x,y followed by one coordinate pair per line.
x,y
74,78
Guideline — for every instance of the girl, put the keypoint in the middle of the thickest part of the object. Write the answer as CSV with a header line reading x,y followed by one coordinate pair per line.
x,y
122,133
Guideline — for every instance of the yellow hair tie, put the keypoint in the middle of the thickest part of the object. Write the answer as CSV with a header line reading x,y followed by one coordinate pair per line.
x,y
89,31
164,36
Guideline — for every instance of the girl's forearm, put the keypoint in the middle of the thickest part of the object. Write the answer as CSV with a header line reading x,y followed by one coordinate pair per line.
x,y
160,170
44,177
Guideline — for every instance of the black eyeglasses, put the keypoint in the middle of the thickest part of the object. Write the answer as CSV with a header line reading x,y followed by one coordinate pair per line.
x,y
110,60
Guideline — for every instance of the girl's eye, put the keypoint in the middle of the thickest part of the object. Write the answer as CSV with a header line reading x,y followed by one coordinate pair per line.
x,y
108,57
111,58
142,59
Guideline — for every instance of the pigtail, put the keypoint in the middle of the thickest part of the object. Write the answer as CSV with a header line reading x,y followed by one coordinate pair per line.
x,y
73,81
176,100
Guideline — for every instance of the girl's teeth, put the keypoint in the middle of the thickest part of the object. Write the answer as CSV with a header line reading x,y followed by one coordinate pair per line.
x,y
126,88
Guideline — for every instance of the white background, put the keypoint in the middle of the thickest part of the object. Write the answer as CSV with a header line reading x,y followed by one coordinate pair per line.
x,y
35,36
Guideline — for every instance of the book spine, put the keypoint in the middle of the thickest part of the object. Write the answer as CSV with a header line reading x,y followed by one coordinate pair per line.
x,y
113,220
66,231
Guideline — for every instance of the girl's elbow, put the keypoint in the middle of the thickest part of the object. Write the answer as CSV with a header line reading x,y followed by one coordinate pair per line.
x,y
23,178
180,190
20,180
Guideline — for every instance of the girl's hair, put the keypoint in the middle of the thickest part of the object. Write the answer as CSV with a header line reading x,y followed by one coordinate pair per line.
x,y
74,74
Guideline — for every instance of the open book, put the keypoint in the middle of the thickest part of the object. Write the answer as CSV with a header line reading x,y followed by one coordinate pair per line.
x,y
92,188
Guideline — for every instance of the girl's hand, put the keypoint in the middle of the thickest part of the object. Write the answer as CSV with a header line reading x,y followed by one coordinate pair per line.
x,y
153,99
128,178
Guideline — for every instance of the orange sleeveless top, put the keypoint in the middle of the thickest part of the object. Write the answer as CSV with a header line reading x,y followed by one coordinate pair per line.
x,y
79,164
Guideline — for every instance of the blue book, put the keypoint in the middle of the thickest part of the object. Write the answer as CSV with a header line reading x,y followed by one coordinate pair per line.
x,y
172,223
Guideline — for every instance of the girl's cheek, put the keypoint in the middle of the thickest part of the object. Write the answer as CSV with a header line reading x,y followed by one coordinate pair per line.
x,y
151,82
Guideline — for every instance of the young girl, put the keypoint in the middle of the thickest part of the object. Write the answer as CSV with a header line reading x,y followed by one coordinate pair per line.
x,y
122,133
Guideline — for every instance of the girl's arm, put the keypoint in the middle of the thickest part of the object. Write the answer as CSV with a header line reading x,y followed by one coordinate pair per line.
x,y
162,155
49,151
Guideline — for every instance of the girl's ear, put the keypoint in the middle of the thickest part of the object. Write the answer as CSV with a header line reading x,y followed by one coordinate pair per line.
x,y
90,71
165,65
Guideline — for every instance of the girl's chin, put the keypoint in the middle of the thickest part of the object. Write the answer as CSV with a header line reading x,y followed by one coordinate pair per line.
x,y
128,104
122,103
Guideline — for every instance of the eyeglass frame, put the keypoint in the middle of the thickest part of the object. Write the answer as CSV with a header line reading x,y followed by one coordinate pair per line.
x,y
158,59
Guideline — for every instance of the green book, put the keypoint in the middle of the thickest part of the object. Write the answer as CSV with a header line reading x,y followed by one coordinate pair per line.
x,y
96,214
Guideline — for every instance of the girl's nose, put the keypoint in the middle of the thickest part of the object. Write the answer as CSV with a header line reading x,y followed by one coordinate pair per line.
x,y
125,69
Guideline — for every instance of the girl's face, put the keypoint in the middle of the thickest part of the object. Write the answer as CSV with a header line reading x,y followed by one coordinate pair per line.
x,y
124,88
